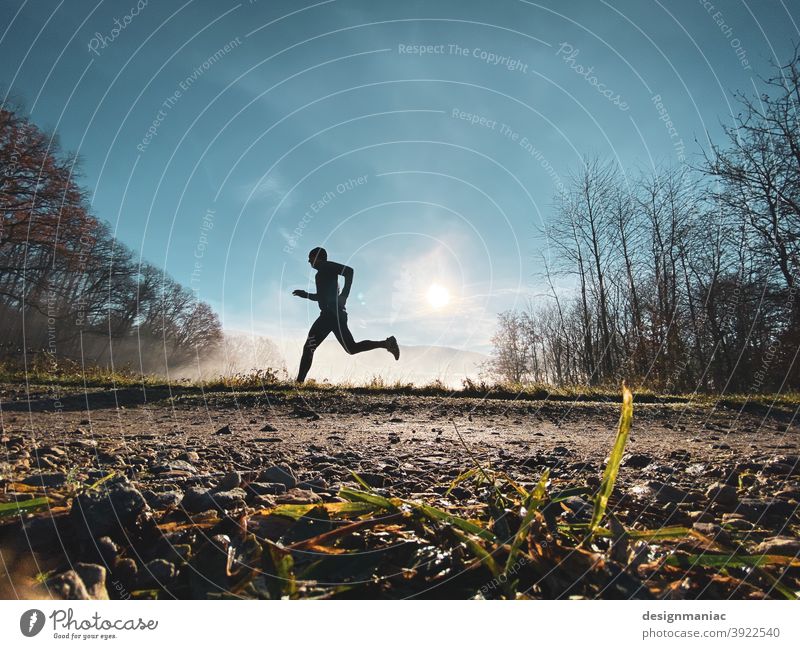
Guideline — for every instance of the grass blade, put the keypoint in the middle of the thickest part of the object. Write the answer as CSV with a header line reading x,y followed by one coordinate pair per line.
x,y
439,515
532,504
22,506
360,481
464,476
730,560
614,460
354,495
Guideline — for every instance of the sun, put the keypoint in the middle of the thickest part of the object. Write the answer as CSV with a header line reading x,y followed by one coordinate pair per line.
x,y
438,296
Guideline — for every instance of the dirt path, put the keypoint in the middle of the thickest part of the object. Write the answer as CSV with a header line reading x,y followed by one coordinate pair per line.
x,y
723,472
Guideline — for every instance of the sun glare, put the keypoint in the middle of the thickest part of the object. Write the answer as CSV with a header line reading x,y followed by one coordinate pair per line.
x,y
438,296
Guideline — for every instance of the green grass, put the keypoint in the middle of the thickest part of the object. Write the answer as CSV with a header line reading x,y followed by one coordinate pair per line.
x,y
48,371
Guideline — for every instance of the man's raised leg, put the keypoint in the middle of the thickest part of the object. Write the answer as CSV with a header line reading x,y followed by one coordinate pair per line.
x,y
345,338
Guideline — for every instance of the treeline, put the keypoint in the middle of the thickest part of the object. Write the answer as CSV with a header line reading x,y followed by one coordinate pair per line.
x,y
68,288
685,279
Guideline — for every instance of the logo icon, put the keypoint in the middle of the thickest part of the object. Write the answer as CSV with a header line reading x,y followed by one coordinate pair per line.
x,y
31,622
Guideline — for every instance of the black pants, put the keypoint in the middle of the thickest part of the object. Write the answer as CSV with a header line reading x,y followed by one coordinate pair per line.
x,y
332,322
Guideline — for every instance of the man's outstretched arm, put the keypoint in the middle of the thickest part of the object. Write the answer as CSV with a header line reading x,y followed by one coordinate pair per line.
x,y
305,294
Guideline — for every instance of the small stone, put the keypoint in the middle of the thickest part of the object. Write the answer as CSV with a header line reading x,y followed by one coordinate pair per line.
x,y
163,499
317,484
225,430
636,460
714,532
722,493
755,510
701,517
268,428
156,573
267,488
173,465
229,481
94,579
190,456
126,571
782,545
374,479
579,509
298,497
67,585
267,502
667,493
50,480
230,499
101,511
197,499
279,473
107,549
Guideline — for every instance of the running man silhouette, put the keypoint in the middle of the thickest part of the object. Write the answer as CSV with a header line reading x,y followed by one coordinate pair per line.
x,y
333,317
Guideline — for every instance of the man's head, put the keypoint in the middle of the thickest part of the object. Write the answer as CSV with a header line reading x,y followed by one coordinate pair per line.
x,y
317,256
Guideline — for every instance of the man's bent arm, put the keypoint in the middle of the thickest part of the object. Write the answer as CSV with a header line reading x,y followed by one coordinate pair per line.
x,y
348,282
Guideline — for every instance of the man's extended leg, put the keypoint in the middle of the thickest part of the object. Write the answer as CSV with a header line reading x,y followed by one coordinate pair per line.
x,y
345,338
319,331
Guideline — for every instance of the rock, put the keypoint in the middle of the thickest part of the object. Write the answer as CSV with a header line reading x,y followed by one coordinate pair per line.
x,y
701,517
67,585
782,545
723,494
698,468
580,509
51,480
662,492
318,484
173,465
230,499
126,571
102,511
562,451
197,499
94,579
229,481
298,497
163,499
374,479
268,428
156,573
267,488
714,532
51,450
225,430
636,460
755,510
267,502
190,456
107,549
680,454
279,473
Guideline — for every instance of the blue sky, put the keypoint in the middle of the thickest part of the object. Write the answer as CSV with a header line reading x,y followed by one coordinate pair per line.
x,y
223,140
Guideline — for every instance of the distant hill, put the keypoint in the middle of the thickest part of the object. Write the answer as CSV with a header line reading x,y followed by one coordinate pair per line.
x,y
418,364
